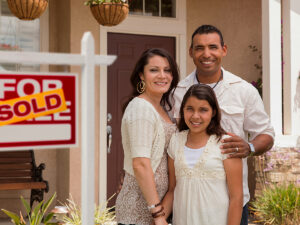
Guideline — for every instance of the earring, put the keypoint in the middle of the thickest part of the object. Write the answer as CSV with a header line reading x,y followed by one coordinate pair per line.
x,y
141,87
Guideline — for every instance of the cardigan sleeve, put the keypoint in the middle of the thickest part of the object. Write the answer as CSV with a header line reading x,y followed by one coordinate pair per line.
x,y
172,146
224,156
141,135
141,129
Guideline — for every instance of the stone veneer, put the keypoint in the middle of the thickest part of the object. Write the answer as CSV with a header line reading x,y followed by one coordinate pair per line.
x,y
279,165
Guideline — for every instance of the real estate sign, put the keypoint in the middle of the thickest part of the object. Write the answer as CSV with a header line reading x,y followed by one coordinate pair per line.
x,y
38,110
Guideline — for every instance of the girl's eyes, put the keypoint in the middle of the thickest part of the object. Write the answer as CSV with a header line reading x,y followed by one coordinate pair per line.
x,y
201,109
188,109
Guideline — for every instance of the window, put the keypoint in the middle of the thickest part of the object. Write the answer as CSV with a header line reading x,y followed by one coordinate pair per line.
x,y
161,8
18,35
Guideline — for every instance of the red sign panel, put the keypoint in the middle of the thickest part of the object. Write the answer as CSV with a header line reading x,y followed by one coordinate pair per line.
x,y
38,110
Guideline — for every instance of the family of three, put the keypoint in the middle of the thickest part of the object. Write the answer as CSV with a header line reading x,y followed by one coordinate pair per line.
x,y
186,143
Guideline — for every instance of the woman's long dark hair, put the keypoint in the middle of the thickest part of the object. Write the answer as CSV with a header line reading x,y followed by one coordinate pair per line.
x,y
139,68
203,92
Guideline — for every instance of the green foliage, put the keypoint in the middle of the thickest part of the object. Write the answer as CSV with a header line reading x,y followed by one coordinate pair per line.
x,y
278,205
97,2
37,216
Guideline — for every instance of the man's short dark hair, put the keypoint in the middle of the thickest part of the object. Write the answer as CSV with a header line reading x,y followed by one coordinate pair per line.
x,y
208,29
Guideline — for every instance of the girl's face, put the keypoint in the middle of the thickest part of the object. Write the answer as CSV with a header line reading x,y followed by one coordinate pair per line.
x,y
157,76
197,114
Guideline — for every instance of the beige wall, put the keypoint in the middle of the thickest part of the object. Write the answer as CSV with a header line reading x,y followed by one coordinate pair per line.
x,y
82,21
68,21
240,24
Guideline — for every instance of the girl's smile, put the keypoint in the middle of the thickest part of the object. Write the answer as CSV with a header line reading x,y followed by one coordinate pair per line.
x,y
197,114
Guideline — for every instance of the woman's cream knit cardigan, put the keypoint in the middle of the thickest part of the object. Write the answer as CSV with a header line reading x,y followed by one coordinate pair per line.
x,y
142,134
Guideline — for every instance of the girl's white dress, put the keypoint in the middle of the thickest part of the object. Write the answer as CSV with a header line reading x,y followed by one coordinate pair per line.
x,y
201,195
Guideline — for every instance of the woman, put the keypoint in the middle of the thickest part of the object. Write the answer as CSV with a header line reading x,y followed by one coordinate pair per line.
x,y
146,130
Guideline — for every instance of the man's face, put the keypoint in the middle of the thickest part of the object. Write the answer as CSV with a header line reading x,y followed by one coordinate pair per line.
x,y
207,53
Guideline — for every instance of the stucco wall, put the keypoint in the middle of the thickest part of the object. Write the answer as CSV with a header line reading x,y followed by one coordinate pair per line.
x,y
240,24
82,21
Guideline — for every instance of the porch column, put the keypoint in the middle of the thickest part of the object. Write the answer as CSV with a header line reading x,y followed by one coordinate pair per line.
x,y
271,61
291,59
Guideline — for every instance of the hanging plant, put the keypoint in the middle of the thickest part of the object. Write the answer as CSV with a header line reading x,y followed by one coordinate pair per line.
x,y
109,12
27,9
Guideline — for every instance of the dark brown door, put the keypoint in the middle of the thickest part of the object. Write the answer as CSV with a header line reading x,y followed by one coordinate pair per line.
x,y
128,48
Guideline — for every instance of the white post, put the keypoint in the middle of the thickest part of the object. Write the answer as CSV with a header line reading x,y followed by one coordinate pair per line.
x,y
271,60
88,130
103,136
291,57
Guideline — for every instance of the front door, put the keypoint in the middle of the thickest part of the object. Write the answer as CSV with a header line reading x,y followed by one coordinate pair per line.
x,y
128,48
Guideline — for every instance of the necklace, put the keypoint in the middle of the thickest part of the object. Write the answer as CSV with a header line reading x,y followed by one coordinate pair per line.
x,y
220,78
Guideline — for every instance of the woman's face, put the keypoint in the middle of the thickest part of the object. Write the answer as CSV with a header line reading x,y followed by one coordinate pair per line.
x,y
157,76
197,114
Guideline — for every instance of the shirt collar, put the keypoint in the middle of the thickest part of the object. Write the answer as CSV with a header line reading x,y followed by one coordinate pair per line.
x,y
228,78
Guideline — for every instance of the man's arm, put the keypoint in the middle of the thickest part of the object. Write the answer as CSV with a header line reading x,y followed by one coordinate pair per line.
x,y
239,148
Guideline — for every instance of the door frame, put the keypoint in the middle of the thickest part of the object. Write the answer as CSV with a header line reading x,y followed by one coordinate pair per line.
x,y
134,24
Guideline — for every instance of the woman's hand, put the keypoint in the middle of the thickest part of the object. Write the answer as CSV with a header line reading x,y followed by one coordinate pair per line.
x,y
160,221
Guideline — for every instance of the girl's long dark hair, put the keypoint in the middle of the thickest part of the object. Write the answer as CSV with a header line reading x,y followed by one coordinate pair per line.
x,y
139,68
203,92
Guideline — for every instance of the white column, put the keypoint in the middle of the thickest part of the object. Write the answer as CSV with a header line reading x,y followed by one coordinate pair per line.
x,y
291,58
271,61
88,130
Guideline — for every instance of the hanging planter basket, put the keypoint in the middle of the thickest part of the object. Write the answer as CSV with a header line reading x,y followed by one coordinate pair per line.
x,y
27,9
109,14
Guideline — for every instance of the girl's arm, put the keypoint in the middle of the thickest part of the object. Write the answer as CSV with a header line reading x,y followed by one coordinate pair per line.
x,y
145,178
167,201
234,176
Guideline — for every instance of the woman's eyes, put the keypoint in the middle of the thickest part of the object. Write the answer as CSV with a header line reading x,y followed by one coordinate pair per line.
x,y
165,70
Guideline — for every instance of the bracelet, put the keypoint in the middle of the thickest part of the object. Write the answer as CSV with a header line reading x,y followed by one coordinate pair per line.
x,y
153,206
158,213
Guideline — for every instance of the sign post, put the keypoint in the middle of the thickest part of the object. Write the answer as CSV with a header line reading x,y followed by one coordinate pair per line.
x,y
87,59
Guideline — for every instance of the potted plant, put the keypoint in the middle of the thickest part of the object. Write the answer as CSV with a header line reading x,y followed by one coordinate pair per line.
x,y
27,9
109,12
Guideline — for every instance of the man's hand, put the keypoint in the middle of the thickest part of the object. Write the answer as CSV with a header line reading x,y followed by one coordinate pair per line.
x,y
236,146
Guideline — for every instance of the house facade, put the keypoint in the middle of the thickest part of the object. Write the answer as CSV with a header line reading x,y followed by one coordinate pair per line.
x,y
269,26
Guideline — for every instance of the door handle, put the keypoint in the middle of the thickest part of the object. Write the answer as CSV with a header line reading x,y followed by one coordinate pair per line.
x,y
109,138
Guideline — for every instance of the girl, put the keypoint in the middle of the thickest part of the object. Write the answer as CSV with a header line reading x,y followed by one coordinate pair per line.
x,y
146,131
207,187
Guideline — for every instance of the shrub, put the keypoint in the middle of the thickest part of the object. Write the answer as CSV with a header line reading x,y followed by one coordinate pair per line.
x,y
278,205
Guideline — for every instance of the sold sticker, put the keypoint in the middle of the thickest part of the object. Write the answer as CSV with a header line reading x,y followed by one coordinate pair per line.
x,y
32,106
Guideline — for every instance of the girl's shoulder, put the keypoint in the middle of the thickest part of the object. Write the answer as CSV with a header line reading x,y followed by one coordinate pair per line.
x,y
179,135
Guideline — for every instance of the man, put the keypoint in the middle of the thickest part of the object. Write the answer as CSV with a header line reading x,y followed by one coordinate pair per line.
x,y
243,114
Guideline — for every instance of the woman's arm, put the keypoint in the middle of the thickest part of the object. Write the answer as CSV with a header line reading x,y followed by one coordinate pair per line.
x,y
145,178
167,201
234,175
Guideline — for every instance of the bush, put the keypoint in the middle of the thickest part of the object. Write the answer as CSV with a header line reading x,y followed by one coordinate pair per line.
x,y
278,205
